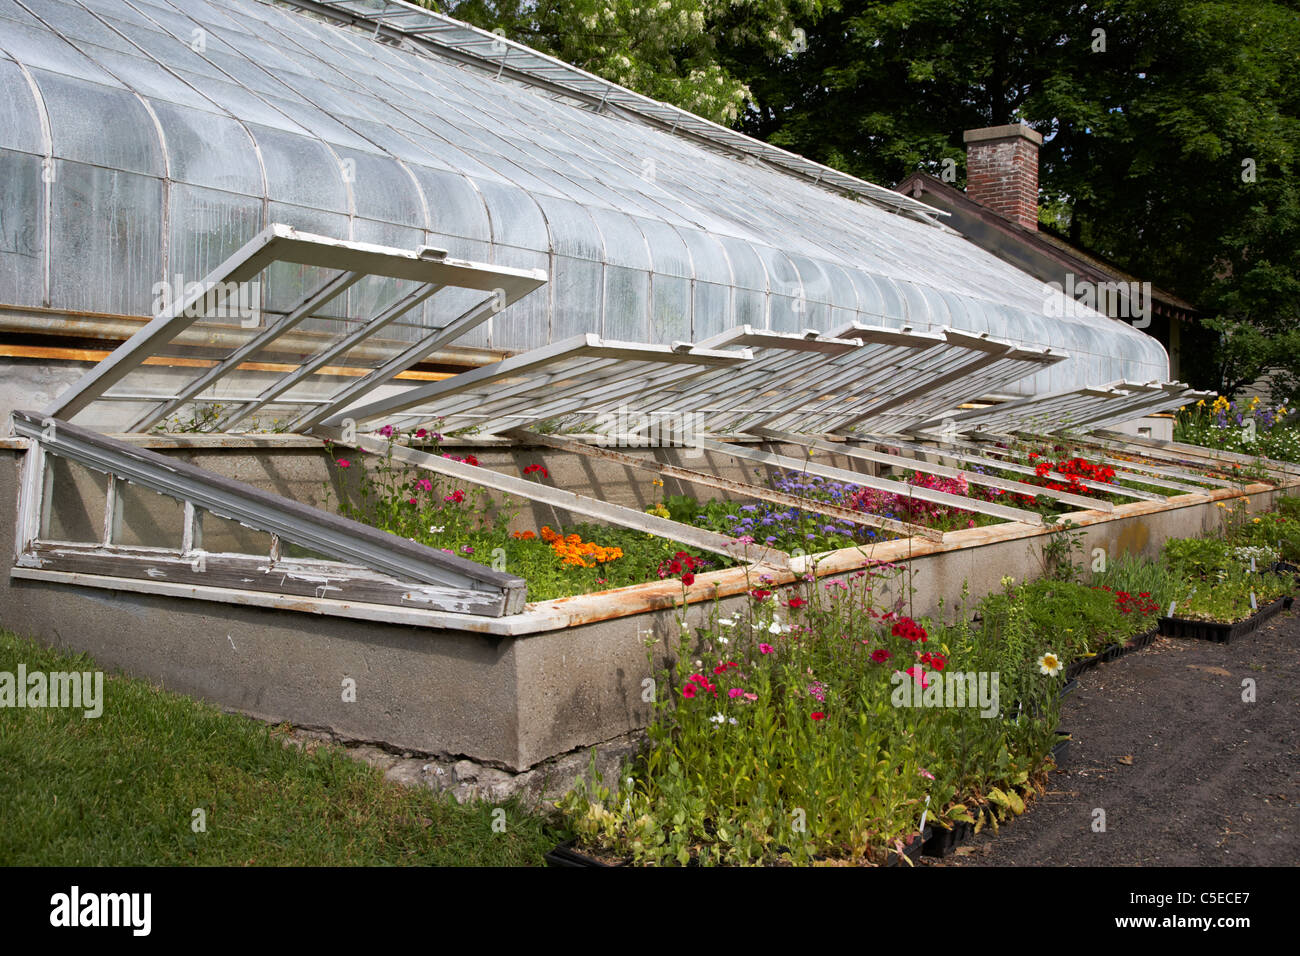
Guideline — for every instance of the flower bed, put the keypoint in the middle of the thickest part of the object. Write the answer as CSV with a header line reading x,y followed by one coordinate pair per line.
x,y
1248,427
817,727
825,725
583,557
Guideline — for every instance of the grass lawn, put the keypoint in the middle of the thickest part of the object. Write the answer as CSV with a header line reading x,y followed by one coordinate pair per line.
x,y
121,789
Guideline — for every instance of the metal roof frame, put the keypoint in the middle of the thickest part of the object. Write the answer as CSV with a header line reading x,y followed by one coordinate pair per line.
x,y
430,270
584,373
426,32
1073,409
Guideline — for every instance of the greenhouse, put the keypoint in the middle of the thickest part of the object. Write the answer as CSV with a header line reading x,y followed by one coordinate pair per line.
x,y
436,359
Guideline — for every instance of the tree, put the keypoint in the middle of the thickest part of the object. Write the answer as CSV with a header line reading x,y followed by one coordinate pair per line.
x,y
667,49
1171,134
1171,127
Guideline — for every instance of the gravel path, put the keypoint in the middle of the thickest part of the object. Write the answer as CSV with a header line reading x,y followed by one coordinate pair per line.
x,y
1188,774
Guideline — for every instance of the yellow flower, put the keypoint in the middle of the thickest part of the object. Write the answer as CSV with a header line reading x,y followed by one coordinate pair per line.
x,y
1255,520
658,483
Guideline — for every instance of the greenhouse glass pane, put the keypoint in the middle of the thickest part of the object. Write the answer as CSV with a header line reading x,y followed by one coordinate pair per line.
x,y
208,149
301,171
577,287
22,228
515,216
206,227
382,189
77,110
106,224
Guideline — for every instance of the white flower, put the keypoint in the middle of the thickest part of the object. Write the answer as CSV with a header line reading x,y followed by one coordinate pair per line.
x,y
723,640
726,622
721,718
1050,664
435,529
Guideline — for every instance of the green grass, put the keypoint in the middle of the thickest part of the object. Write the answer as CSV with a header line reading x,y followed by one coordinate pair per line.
x,y
121,789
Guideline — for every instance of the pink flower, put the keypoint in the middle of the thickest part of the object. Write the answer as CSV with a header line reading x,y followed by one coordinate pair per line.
x,y
925,773
425,484
688,691
342,462
749,696
421,433
766,648
919,675
386,431
735,692
412,501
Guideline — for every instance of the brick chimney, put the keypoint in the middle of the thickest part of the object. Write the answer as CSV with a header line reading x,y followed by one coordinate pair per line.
x,y
1002,171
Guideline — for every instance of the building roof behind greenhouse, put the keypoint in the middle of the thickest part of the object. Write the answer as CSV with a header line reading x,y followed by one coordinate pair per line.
x,y
142,140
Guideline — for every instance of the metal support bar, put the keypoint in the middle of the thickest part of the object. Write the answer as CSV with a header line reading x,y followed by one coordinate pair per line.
x,y
568,501
1210,454
1139,466
389,315
879,484
954,450
330,290
1119,472
971,477
726,484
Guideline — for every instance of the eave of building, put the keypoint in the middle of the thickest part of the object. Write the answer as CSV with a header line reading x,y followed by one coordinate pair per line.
x,y
1038,245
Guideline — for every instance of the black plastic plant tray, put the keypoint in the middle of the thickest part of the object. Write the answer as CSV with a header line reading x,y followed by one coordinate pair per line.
x,y
1139,641
912,850
1217,632
943,842
1082,664
565,855
1061,749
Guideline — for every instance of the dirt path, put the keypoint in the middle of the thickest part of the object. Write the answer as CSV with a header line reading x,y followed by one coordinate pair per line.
x,y
1213,781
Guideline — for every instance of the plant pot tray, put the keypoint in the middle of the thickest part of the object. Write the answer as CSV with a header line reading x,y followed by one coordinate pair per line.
x,y
565,855
1217,632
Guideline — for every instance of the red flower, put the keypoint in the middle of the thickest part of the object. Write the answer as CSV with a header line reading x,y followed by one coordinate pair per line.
x,y
795,602
688,691
530,470
342,462
758,594
688,579
881,655
908,628
817,715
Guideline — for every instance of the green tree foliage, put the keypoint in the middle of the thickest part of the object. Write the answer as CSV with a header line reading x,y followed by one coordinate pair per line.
x,y
1171,126
1171,135
666,49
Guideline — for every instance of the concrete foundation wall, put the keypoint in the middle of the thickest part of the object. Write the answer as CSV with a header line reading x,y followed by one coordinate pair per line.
x,y
512,701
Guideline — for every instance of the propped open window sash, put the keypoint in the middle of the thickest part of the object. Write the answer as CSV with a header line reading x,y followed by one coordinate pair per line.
x,y
309,552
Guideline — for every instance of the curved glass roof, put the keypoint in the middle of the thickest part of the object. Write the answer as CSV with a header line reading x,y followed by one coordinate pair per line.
x,y
141,140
